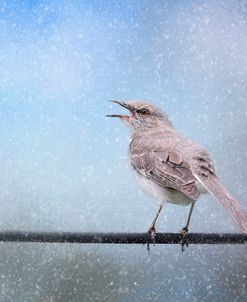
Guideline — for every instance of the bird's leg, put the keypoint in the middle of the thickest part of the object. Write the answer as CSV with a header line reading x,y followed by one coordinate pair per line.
x,y
151,229
185,230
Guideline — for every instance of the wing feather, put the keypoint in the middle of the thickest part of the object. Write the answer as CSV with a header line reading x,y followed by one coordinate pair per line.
x,y
166,168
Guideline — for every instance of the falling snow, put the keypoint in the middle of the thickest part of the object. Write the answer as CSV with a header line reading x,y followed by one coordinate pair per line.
x,y
64,166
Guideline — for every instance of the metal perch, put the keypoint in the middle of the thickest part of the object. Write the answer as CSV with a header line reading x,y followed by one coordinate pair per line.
x,y
122,238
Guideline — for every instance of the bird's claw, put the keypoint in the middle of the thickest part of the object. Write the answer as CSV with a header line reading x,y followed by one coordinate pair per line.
x,y
184,232
152,232
184,240
148,248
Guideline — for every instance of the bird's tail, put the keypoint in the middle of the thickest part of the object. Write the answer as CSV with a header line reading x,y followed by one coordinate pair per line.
x,y
214,186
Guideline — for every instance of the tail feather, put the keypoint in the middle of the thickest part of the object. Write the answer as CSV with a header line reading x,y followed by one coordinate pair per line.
x,y
214,186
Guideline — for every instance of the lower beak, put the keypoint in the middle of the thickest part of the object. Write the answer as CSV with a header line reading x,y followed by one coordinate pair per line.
x,y
114,115
122,117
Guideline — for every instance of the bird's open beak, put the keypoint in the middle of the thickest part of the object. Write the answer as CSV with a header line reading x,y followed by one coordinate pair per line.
x,y
125,105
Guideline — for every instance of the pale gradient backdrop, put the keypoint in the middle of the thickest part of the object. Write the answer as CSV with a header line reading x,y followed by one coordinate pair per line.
x,y
64,166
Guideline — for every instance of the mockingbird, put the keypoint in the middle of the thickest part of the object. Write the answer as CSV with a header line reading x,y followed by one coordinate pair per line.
x,y
171,167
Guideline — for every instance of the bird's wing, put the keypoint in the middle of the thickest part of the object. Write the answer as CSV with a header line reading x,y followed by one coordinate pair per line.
x,y
204,172
166,168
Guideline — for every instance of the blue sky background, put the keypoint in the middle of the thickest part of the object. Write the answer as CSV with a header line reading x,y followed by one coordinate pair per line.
x,y
64,166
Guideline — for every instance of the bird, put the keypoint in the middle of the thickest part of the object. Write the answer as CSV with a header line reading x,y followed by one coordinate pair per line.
x,y
169,166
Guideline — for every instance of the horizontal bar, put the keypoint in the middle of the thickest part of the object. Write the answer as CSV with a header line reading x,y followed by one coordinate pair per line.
x,y
122,238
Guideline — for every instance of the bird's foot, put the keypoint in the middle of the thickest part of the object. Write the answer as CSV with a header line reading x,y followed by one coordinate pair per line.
x,y
184,241
184,231
152,232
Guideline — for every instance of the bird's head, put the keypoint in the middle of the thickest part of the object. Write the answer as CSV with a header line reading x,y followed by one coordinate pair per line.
x,y
143,115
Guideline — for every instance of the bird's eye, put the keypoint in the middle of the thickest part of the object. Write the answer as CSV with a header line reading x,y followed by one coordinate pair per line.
x,y
144,112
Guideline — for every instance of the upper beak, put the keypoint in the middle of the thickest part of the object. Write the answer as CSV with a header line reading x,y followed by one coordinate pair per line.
x,y
123,104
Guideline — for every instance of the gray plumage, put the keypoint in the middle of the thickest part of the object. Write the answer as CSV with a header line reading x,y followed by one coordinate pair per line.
x,y
171,167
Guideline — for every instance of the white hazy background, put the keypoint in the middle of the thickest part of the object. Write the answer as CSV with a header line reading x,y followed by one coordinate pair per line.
x,y
64,166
